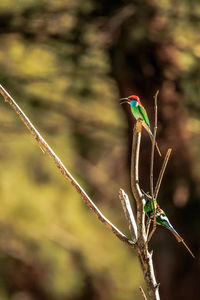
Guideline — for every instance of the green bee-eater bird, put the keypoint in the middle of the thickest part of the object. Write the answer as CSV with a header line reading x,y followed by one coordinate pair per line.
x,y
161,218
139,112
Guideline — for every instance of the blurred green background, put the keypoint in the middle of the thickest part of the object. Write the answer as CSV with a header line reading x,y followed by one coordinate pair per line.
x,y
67,63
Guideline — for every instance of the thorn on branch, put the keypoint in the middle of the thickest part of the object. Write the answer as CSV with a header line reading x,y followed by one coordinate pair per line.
x,y
157,285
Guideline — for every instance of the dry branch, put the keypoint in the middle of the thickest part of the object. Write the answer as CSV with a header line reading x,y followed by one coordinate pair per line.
x,y
128,214
46,148
139,198
141,246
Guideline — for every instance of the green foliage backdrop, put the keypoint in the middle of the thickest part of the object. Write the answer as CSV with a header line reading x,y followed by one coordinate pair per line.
x,y
56,60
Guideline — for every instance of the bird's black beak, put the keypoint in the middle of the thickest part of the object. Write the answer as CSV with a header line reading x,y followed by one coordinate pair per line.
x,y
123,100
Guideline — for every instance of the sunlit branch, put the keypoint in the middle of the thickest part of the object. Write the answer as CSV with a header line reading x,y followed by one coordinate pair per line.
x,y
139,198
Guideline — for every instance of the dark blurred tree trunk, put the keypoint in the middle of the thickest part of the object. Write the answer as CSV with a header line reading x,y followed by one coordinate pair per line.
x,y
143,60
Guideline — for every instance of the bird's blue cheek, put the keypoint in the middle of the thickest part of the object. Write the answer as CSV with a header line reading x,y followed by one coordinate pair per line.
x,y
134,104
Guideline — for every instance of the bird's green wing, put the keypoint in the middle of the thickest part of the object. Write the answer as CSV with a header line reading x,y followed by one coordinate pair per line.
x,y
144,114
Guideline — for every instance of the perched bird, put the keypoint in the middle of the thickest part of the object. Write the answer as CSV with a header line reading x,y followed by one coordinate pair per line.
x,y
139,112
161,218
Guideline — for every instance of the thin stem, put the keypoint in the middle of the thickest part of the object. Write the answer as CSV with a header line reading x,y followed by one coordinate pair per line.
x,y
153,146
162,171
152,165
43,144
143,293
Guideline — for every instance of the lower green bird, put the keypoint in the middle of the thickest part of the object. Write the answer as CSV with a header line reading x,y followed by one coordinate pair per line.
x,y
161,218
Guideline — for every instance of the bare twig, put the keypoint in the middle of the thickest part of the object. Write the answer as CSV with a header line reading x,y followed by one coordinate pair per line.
x,y
143,293
43,144
152,164
128,214
162,173
153,145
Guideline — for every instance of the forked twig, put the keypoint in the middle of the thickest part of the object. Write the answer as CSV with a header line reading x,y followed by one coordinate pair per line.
x,y
43,144
141,246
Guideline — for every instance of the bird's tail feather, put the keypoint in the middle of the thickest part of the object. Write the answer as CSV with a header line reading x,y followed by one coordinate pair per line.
x,y
186,246
177,236
180,240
